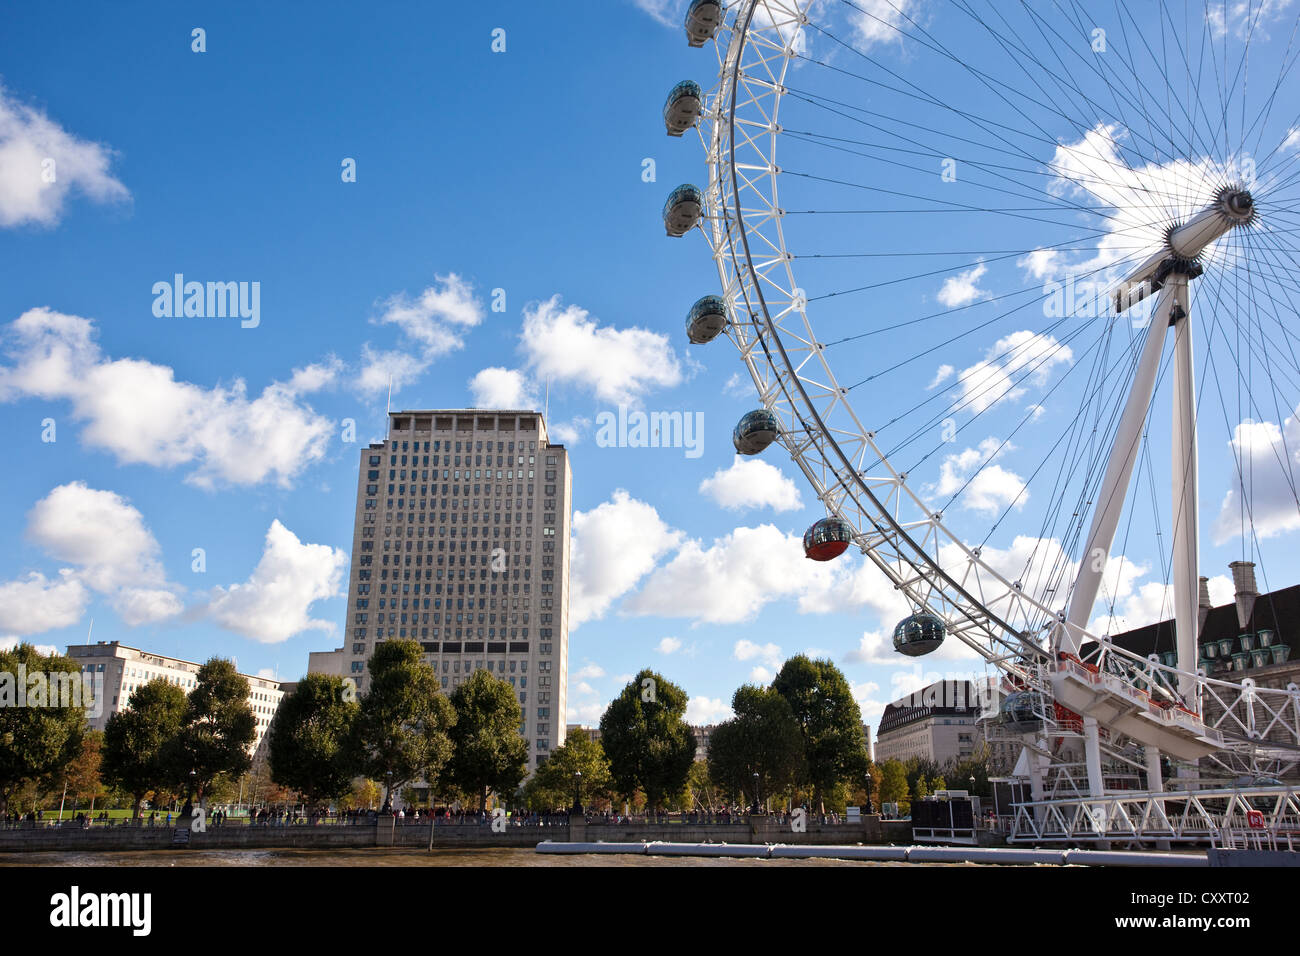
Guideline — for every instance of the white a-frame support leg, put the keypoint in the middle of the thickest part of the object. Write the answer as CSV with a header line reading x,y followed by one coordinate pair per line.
x,y
1110,503
1186,539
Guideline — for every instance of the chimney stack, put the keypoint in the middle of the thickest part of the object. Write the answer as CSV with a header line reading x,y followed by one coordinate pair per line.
x,y
1203,605
1243,580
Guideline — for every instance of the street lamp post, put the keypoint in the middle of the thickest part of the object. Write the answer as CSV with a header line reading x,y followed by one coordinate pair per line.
x,y
577,792
756,793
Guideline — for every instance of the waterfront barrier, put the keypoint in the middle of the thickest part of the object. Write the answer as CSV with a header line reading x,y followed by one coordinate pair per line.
x,y
391,832
1006,856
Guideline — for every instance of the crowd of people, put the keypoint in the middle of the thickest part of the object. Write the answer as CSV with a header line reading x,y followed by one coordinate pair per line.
x,y
280,816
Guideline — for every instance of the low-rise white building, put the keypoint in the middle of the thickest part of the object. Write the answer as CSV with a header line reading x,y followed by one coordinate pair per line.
x,y
124,669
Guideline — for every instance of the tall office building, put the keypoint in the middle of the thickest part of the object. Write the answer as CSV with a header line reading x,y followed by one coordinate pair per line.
x,y
461,542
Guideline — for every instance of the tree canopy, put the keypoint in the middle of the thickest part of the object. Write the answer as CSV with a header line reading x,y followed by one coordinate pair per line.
x,y
402,726
136,740
762,738
488,754
219,729
649,745
552,784
829,720
42,737
310,740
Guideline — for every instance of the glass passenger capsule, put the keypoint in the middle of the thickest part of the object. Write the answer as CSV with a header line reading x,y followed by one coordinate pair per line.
x,y
682,107
707,318
919,634
755,431
702,19
683,209
1021,712
827,539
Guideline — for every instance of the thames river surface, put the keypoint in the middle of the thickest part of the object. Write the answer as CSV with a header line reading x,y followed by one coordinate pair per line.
x,y
402,857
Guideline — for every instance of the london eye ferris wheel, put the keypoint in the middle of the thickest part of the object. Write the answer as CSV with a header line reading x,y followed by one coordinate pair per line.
x,y
1017,288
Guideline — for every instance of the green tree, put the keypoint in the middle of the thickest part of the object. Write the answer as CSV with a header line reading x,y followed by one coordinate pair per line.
x,y
402,726
552,784
762,738
82,775
41,738
311,737
702,791
893,782
921,772
219,729
488,754
136,740
830,722
960,771
648,743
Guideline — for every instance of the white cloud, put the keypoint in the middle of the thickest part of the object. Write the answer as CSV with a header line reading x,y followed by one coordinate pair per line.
x,y
941,375
586,713
879,22
668,645
499,387
266,673
29,141
437,317
383,369
769,654
988,488
1246,19
9,643
1097,170
141,414
570,432
561,343
963,288
705,710
314,377
865,695
737,387
432,324
1269,458
751,483
35,603
730,581
584,688
113,551
101,532
589,671
1013,363
613,547
667,12
733,579
761,675
275,602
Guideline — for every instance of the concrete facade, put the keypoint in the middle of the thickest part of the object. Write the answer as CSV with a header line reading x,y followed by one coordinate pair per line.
x,y
329,663
125,669
936,723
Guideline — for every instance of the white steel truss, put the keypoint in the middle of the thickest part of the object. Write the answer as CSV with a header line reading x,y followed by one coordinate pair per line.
x,y
1140,701
1204,816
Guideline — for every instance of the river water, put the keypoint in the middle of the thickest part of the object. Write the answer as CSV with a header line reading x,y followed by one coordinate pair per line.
x,y
378,856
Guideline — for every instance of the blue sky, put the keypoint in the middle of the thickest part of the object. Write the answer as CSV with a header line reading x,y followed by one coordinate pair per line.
x,y
476,171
